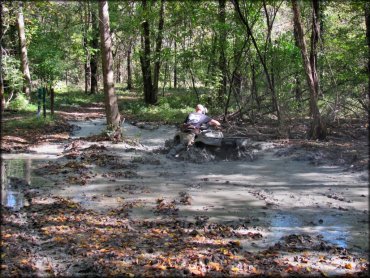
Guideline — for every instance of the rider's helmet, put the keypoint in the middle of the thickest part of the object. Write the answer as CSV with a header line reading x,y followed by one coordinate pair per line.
x,y
201,108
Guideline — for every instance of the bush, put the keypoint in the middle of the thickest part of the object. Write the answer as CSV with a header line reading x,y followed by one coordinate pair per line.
x,y
19,103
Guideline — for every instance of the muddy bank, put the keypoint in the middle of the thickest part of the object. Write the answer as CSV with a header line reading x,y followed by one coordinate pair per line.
x,y
88,205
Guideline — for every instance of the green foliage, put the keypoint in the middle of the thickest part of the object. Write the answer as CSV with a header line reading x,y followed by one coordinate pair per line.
x,y
21,103
12,74
72,96
55,32
171,108
28,123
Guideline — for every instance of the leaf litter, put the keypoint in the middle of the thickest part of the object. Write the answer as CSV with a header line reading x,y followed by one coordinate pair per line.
x,y
58,237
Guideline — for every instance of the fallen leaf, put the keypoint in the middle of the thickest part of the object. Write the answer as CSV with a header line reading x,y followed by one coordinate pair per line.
x,y
348,266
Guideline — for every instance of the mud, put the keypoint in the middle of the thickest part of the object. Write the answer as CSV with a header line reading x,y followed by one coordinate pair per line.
x,y
266,188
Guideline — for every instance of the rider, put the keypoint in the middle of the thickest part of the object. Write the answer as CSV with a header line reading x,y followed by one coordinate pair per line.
x,y
199,117
191,126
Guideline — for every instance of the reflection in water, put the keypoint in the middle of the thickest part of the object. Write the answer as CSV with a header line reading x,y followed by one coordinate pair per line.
x,y
284,224
15,177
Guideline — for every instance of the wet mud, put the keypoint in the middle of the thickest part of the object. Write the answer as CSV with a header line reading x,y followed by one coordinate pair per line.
x,y
262,198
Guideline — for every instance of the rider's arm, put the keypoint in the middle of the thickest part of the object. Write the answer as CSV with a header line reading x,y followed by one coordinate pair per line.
x,y
214,122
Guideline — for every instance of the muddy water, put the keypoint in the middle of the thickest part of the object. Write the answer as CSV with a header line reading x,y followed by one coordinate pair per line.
x,y
273,195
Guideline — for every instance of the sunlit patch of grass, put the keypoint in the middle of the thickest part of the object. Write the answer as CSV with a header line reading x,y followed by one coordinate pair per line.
x,y
27,123
172,107
76,98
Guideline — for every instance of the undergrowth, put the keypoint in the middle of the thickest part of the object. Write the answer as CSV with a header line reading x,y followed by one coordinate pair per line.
x,y
27,123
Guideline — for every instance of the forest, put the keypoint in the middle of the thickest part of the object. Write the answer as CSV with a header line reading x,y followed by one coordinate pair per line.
x,y
89,88
242,59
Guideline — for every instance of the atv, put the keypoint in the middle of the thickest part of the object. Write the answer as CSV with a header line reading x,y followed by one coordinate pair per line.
x,y
211,139
189,135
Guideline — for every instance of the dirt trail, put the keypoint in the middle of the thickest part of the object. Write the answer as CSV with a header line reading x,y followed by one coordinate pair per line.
x,y
274,196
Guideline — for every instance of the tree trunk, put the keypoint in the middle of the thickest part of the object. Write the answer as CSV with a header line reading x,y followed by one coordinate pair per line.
x,y
269,53
158,48
111,106
175,68
2,99
267,74
118,70
145,61
23,50
314,41
94,54
87,68
318,128
222,49
237,76
129,72
52,97
367,22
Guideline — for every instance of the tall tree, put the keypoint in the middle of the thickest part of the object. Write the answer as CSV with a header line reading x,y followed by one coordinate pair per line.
x,y
23,51
86,23
149,97
129,71
158,48
367,21
94,53
2,99
222,50
262,60
111,106
151,83
318,128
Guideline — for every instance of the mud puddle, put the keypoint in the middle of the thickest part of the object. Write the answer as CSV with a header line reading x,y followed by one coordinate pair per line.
x,y
271,195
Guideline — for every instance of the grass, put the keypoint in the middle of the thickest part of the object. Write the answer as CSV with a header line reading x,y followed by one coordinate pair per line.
x,y
172,107
27,122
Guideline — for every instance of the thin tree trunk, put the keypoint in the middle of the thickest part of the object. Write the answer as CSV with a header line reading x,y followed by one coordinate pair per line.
x,y
175,68
145,60
268,50
23,50
111,106
158,49
318,129
267,74
2,99
314,41
367,22
94,54
52,97
87,68
237,83
118,70
129,72
254,89
222,49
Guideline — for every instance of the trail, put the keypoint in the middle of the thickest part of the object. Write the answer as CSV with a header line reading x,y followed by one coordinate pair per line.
x,y
274,196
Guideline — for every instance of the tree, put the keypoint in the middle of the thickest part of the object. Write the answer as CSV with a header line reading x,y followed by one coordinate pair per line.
x,y
23,51
367,21
94,55
111,106
2,99
151,83
261,59
145,59
222,50
158,48
318,128
86,22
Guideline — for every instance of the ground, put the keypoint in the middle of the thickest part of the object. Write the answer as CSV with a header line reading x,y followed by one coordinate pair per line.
x,y
83,206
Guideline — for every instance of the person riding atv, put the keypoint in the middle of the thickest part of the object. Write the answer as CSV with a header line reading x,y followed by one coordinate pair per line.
x,y
195,127
195,120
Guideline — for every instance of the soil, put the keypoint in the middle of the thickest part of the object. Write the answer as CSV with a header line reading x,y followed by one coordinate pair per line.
x,y
75,204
